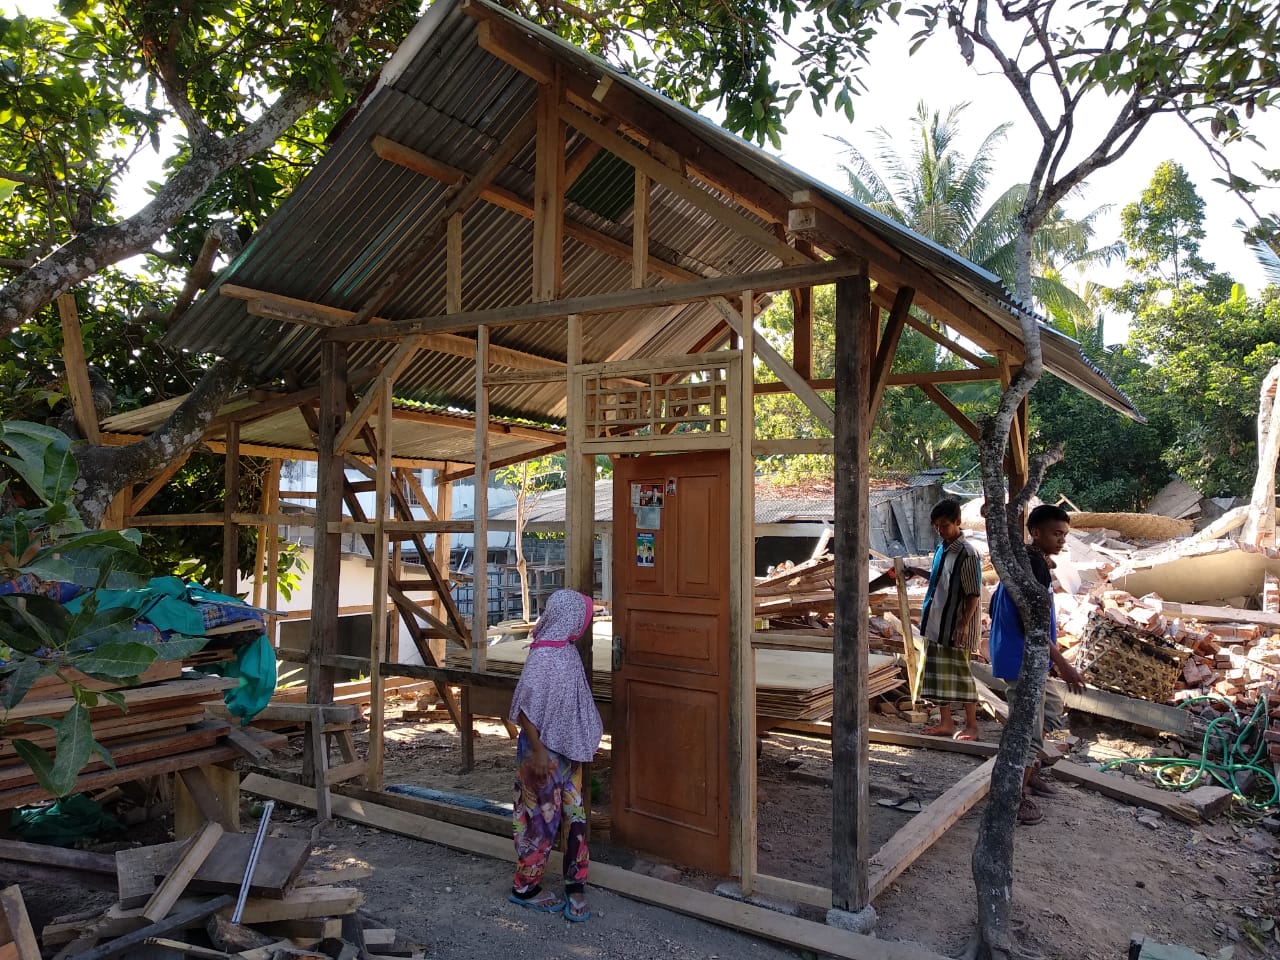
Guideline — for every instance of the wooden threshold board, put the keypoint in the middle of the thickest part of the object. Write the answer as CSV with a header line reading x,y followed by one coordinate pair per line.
x,y
753,920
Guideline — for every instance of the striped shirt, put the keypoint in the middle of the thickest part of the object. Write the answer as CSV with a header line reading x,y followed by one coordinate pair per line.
x,y
959,578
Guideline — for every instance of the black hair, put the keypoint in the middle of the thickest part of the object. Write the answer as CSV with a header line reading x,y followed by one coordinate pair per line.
x,y
1047,513
946,510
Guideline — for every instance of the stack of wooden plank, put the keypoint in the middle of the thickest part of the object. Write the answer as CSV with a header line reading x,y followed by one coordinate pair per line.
x,y
163,729
790,684
797,685
290,911
798,593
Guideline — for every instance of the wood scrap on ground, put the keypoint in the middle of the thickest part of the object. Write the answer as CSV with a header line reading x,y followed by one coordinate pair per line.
x,y
164,895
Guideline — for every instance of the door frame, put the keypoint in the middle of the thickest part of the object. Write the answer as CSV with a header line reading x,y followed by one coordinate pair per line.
x,y
607,398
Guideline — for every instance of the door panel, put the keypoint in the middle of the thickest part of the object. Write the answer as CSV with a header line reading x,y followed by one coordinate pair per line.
x,y
671,689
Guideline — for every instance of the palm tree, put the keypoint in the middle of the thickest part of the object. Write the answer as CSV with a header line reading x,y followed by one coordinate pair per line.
x,y
938,194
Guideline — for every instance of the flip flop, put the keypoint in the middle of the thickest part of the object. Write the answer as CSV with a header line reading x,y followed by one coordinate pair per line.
x,y
555,906
907,804
967,737
581,916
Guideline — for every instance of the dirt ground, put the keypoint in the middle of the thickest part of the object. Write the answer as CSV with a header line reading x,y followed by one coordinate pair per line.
x,y
1086,879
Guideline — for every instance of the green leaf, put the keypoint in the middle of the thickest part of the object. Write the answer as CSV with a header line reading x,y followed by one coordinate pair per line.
x,y
179,647
39,762
43,458
119,659
71,751
18,683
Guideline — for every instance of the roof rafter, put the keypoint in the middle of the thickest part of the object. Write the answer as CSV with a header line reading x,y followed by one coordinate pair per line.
x,y
616,301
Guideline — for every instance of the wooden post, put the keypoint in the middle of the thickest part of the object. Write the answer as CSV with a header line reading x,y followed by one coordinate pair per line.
x,y
444,511
802,331
76,366
851,846
579,534
378,634
640,231
273,550
328,544
230,505
480,542
742,679
548,195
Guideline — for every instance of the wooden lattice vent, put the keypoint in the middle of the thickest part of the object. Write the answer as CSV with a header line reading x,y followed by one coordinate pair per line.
x,y
687,398
1117,657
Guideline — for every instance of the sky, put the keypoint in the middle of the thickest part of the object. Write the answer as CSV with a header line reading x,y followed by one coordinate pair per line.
x,y
897,81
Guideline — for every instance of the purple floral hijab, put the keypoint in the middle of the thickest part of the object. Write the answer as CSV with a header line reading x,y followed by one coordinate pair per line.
x,y
553,692
566,617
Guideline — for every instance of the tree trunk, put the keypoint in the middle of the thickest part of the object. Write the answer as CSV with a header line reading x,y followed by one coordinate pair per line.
x,y
992,862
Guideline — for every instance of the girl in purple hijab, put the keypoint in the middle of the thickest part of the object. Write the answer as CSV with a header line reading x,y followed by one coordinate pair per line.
x,y
560,729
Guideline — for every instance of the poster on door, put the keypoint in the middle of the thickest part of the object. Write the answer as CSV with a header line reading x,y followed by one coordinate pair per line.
x,y
644,549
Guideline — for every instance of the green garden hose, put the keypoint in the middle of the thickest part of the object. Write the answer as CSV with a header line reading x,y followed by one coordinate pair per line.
x,y
1232,738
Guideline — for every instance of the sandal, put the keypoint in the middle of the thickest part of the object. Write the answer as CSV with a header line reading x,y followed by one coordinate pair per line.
x,y
1029,812
908,804
576,913
1039,783
543,901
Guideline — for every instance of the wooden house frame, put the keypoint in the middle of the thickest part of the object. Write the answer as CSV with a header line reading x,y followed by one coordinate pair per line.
x,y
508,227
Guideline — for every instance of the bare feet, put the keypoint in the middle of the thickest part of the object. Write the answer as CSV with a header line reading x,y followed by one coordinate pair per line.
x,y
968,733
940,729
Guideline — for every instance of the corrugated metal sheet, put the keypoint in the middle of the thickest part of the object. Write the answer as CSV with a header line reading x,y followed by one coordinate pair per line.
x,y
353,220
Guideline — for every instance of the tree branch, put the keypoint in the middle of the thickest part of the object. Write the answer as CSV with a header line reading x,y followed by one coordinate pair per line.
x,y
89,252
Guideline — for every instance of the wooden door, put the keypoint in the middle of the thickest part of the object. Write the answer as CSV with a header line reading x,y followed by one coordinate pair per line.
x,y
671,683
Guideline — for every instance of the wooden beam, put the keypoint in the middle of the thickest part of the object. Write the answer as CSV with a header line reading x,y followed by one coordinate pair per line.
x,y
983,375
802,319
616,301
267,403
157,483
640,230
720,210
444,511
969,356
574,229
193,855
743,832
756,921
378,618
328,546
461,423
920,832
453,270
76,367
548,196
1118,787
395,365
230,506
457,199
17,925
850,833
951,410
888,347
831,228
447,343
580,503
820,409
277,453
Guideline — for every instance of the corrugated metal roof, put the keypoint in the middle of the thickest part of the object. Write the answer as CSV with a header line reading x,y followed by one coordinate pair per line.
x,y
353,219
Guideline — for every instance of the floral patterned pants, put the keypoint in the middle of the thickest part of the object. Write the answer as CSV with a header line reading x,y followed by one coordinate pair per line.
x,y
539,809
